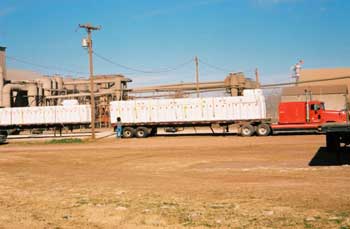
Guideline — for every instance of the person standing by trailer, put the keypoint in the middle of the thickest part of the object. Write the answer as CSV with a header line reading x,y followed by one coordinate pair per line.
x,y
296,71
119,128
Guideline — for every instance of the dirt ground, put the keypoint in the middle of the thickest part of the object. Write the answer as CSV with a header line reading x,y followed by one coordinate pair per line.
x,y
182,181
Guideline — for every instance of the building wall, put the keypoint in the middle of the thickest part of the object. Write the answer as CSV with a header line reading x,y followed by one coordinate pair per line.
x,y
332,92
325,73
21,75
332,101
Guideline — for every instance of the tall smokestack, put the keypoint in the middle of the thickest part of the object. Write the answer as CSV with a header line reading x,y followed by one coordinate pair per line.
x,y
2,70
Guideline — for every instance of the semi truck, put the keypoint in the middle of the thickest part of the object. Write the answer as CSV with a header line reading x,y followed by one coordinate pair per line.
x,y
307,116
247,113
142,118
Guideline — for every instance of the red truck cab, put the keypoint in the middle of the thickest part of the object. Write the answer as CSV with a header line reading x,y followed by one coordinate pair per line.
x,y
305,116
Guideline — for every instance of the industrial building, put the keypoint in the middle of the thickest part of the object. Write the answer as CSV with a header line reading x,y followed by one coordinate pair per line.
x,y
330,85
20,88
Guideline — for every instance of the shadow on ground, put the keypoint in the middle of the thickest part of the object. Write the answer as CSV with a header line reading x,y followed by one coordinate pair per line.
x,y
326,158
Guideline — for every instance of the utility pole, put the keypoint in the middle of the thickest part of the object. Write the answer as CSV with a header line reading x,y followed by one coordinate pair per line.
x,y
88,43
197,75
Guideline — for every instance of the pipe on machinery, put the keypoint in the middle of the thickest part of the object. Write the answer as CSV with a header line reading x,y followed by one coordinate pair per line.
x,y
46,84
59,82
32,89
40,94
59,86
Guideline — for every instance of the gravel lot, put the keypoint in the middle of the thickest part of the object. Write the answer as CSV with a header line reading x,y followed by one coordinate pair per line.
x,y
175,181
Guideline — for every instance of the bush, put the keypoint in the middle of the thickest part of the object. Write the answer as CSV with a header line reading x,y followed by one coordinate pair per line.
x,y
64,141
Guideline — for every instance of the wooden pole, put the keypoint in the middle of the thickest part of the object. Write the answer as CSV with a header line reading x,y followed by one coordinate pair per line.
x,y
257,77
197,75
89,28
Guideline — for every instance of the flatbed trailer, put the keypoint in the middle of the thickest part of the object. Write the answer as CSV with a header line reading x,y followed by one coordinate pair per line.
x,y
336,134
44,126
142,118
54,126
45,117
246,128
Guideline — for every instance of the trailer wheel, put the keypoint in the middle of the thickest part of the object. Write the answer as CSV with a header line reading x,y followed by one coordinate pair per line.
x,y
332,142
263,129
247,130
142,132
128,132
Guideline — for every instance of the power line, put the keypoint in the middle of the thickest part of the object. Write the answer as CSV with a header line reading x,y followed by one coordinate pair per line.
x,y
165,70
44,66
226,70
214,66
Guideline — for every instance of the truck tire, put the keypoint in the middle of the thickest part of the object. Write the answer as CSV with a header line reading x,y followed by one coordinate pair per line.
x,y
142,132
263,129
3,136
332,142
247,130
128,132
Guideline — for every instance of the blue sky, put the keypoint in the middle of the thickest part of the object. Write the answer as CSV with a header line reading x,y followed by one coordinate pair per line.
x,y
152,35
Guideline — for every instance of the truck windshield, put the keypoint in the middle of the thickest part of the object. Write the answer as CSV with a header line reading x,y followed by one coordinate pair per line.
x,y
315,107
322,106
